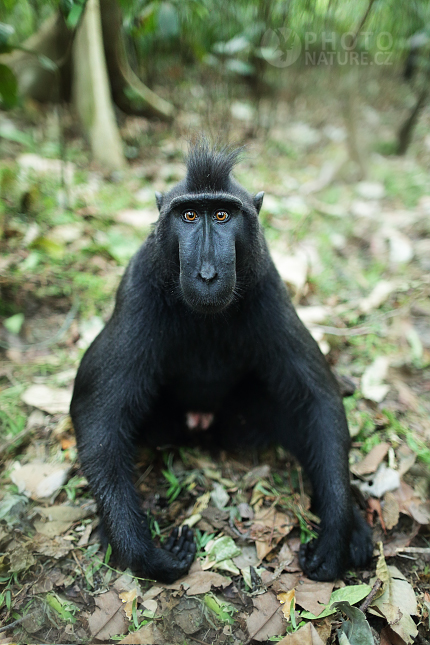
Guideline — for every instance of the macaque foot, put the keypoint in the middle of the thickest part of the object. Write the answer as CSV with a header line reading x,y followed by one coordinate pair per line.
x,y
175,556
167,563
323,560
360,546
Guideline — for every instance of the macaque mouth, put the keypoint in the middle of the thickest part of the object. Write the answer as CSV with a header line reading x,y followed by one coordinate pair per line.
x,y
209,305
213,306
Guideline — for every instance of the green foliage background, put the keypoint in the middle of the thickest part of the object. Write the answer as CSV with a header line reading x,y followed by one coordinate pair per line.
x,y
196,29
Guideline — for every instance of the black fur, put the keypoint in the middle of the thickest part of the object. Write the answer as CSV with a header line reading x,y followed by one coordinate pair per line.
x,y
208,170
203,323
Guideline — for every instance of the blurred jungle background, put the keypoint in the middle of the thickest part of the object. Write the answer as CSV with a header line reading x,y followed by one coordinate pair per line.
x,y
98,100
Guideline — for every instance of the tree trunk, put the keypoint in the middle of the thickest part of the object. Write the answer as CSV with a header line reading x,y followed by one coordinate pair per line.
x,y
91,92
128,91
405,132
53,40
92,69
349,107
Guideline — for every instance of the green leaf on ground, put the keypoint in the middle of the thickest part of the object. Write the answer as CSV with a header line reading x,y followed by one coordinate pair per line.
x,y
351,595
356,630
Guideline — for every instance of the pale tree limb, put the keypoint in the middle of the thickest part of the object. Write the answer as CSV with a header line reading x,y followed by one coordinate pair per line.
x,y
91,67
35,80
91,92
405,132
128,91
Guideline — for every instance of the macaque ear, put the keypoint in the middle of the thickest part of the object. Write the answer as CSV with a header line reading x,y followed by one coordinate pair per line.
x,y
258,200
159,199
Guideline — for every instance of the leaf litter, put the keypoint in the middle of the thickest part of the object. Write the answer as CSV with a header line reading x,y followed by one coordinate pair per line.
x,y
248,514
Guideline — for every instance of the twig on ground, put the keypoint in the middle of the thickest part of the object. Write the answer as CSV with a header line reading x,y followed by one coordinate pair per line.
x,y
9,442
365,605
6,628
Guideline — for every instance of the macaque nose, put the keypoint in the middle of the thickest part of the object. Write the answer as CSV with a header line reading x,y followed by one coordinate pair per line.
x,y
208,273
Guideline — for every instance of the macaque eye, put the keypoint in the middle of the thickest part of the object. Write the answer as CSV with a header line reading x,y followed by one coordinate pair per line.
x,y
222,216
190,216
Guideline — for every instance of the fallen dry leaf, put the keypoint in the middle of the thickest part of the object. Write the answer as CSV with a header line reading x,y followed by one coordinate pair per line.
x,y
397,603
400,246
390,510
306,635
201,503
293,268
312,315
146,635
313,596
285,581
255,475
220,552
400,542
85,536
66,233
323,627
371,381
21,559
127,582
371,461
285,598
127,598
370,189
410,504
268,529
377,297
59,518
49,399
109,618
43,585
406,459
202,582
196,582
406,395
266,620
248,557
38,479
285,556
54,548
150,605
152,592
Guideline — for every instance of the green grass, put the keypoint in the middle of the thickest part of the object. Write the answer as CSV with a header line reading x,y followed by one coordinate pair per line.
x,y
405,185
12,418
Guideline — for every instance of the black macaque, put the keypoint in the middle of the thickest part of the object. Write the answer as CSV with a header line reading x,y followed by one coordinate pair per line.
x,y
203,326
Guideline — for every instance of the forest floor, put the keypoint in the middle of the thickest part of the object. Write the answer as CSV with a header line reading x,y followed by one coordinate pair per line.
x,y
351,240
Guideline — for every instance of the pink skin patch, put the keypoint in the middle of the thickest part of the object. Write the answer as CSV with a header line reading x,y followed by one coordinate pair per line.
x,y
199,420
